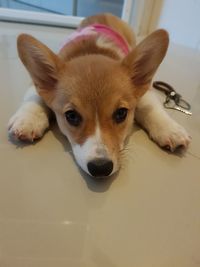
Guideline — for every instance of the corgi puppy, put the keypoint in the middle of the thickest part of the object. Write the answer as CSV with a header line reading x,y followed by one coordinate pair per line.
x,y
96,85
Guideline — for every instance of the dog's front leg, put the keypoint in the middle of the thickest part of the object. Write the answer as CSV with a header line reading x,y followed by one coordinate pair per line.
x,y
167,133
31,119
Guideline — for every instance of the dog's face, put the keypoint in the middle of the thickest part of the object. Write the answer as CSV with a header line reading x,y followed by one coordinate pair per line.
x,y
94,107
94,96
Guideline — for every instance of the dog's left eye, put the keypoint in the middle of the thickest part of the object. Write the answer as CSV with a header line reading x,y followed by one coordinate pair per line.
x,y
73,117
120,115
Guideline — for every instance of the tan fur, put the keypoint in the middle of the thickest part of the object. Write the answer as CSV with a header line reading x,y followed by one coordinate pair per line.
x,y
94,81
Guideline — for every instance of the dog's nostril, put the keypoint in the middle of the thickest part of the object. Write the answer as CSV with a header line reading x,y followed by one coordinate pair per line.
x,y
100,167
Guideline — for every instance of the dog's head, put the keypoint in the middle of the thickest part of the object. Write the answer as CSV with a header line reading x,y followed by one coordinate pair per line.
x,y
94,96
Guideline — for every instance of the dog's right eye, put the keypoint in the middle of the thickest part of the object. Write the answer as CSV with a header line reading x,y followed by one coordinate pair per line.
x,y
120,115
73,117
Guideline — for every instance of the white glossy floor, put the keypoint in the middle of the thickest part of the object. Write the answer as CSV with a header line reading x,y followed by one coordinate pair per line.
x,y
52,215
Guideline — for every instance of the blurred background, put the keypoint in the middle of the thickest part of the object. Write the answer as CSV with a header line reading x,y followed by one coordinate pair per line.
x,y
80,8
180,17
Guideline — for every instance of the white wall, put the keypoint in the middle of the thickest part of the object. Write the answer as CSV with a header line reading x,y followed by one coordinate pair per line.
x,y
182,19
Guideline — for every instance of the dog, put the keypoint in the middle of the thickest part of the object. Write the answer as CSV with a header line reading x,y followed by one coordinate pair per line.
x,y
96,86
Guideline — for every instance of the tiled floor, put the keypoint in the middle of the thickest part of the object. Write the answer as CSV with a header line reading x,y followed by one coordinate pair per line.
x,y
53,215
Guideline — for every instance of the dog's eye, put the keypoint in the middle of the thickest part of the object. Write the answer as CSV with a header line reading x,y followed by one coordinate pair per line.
x,y
120,115
73,117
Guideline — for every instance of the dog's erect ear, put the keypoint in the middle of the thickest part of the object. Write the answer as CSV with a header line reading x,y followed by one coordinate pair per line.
x,y
42,64
144,60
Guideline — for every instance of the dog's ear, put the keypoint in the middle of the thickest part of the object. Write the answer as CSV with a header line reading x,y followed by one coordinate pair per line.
x,y
144,60
43,65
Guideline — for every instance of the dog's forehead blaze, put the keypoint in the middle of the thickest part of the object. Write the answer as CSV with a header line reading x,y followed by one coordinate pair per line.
x,y
111,134
100,116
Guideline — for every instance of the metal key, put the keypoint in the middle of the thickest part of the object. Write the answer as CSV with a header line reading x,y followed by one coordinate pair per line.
x,y
170,105
173,99
183,110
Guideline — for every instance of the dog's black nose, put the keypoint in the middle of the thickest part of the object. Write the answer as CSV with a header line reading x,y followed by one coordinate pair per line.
x,y
100,167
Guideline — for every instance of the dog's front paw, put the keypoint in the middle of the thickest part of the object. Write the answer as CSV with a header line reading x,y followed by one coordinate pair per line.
x,y
28,123
171,136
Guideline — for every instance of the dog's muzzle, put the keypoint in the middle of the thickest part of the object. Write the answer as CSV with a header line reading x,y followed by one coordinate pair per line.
x,y
100,167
